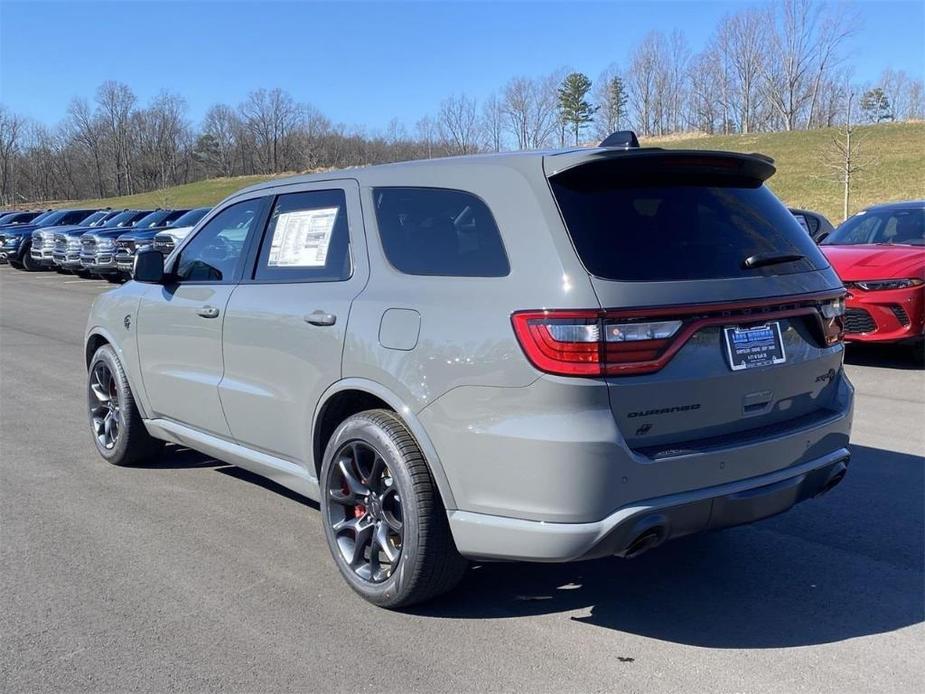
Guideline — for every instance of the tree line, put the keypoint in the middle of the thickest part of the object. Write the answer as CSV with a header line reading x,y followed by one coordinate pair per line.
x,y
780,67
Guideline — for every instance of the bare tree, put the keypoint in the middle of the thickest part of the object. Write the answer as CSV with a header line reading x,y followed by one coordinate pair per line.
x,y
457,123
743,39
643,82
492,124
116,103
87,131
805,47
11,132
270,117
845,158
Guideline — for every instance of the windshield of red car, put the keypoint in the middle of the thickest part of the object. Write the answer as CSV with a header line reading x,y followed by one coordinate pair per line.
x,y
903,225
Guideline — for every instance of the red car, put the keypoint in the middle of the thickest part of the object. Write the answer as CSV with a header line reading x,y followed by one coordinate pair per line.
x,y
880,256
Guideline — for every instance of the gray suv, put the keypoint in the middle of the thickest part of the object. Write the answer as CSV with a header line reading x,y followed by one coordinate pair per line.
x,y
543,356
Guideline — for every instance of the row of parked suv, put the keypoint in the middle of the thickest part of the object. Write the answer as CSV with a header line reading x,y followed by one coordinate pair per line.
x,y
91,242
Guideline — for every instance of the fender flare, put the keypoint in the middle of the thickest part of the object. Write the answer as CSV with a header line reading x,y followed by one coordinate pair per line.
x,y
139,393
406,414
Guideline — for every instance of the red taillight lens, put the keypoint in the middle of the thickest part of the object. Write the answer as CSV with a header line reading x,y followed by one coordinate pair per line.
x,y
587,343
567,343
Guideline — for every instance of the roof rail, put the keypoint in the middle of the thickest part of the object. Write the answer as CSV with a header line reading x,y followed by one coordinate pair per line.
x,y
623,139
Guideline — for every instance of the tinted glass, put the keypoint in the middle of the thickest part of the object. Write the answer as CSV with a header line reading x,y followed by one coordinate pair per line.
x,y
433,231
158,218
191,218
891,226
18,217
82,217
661,228
45,217
306,239
122,219
214,254
99,218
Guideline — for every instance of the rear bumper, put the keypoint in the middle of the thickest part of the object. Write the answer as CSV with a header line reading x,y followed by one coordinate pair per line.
x,y
886,316
645,524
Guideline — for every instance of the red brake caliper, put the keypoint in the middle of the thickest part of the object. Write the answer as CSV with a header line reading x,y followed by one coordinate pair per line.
x,y
359,510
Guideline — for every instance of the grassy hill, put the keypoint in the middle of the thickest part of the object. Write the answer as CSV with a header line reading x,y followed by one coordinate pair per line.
x,y
897,171
197,194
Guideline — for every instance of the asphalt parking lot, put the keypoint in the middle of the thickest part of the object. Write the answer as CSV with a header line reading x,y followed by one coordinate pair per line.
x,y
196,576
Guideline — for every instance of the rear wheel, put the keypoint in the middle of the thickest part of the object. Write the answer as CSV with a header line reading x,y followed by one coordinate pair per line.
x,y
383,519
115,422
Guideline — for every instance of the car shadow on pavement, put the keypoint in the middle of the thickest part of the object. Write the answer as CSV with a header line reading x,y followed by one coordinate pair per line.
x,y
886,356
846,565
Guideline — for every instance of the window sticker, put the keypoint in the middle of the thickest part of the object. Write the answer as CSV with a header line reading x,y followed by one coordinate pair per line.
x,y
301,238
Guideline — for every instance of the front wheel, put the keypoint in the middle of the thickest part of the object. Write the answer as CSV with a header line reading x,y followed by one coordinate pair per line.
x,y
383,519
115,422
29,265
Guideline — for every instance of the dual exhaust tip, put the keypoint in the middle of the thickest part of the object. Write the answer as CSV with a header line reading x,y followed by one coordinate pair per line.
x,y
656,530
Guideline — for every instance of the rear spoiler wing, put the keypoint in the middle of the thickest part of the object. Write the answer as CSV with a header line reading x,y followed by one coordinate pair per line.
x,y
656,160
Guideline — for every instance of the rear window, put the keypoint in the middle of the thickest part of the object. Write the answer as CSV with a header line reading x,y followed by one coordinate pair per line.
x,y
663,228
435,231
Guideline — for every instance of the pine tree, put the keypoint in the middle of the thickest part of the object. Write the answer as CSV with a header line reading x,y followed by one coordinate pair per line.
x,y
574,108
876,105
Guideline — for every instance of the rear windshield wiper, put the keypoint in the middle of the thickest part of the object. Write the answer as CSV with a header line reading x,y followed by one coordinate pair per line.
x,y
753,261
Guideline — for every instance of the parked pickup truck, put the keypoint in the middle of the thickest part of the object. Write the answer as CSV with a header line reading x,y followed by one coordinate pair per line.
x,y
98,248
43,238
16,241
131,242
66,250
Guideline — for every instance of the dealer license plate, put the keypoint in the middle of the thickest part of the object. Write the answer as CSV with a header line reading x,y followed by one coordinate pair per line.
x,y
748,348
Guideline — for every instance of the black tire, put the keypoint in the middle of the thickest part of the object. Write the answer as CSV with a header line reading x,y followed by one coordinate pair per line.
x,y
131,444
28,264
15,265
113,279
428,563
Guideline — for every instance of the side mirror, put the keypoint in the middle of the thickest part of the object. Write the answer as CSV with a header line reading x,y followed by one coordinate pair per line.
x,y
149,266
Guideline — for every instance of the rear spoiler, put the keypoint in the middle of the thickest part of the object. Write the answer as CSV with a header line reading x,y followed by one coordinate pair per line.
x,y
653,160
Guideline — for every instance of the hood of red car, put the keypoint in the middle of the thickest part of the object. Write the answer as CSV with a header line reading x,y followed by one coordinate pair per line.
x,y
876,261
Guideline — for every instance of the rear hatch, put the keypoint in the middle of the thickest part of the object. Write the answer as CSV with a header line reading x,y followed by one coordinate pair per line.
x,y
720,318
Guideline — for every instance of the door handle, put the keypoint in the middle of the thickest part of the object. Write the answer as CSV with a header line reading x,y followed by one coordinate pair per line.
x,y
208,312
321,318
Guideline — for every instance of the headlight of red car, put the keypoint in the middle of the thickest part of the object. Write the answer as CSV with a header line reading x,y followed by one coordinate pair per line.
x,y
876,285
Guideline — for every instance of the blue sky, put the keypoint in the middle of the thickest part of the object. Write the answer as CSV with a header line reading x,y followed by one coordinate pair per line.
x,y
360,63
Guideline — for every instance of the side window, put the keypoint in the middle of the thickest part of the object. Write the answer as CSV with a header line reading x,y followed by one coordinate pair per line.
x,y
434,231
214,254
306,239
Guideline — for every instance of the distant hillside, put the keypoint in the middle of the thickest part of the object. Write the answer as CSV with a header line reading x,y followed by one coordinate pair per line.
x,y
897,172
197,194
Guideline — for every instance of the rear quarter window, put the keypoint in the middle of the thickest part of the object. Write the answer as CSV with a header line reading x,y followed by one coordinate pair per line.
x,y
672,228
437,231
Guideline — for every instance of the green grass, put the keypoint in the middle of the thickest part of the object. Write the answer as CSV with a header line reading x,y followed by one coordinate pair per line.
x,y
896,170
199,194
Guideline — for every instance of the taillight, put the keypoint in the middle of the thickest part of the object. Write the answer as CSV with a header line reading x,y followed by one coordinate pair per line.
x,y
832,314
588,343
626,342
567,343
